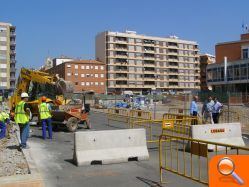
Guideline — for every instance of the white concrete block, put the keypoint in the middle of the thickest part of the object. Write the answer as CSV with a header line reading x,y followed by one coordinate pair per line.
x,y
227,133
110,146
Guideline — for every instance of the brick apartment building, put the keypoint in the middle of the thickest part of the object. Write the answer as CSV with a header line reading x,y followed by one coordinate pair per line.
x,y
85,74
237,53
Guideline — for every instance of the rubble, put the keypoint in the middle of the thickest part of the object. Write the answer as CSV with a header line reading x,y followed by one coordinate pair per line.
x,y
12,160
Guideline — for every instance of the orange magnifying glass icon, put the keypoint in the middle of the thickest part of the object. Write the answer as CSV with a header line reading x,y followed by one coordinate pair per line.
x,y
226,167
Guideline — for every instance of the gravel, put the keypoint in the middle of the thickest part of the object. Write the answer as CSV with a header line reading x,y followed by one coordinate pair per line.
x,y
12,160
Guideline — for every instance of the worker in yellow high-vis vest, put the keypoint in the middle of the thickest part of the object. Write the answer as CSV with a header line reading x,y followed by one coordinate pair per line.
x,y
45,117
22,118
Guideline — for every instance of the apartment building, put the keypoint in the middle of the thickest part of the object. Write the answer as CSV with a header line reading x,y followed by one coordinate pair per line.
x,y
7,58
205,59
143,63
85,74
237,53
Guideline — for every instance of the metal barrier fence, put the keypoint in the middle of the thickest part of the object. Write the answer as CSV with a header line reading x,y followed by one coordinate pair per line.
x,y
181,124
127,116
229,116
190,157
179,111
118,114
153,129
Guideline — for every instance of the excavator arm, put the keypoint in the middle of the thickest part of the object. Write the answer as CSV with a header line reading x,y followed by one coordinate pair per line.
x,y
28,76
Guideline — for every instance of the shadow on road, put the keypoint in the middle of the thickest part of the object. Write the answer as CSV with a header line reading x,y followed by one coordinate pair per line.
x,y
149,182
71,161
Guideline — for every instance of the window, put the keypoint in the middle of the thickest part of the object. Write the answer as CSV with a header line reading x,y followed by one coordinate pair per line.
x,y
91,83
101,83
76,66
82,67
96,83
102,67
87,75
102,75
76,83
3,66
76,74
82,75
68,66
96,75
87,67
3,83
68,74
245,54
91,75
96,67
87,83
91,67
82,83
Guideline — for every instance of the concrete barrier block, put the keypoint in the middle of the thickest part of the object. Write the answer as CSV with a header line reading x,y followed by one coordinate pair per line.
x,y
110,146
227,133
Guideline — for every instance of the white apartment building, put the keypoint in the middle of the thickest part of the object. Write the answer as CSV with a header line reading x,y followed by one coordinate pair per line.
x,y
7,57
143,63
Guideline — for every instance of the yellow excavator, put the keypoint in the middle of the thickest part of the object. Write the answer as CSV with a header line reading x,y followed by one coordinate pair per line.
x,y
57,90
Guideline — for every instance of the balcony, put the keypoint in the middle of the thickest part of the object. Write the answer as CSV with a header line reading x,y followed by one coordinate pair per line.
x,y
121,68
12,52
173,64
173,77
149,55
121,53
149,49
149,69
121,39
121,61
121,46
151,42
12,43
12,69
149,62
121,76
149,76
12,78
172,44
173,84
149,83
172,51
173,57
121,82
12,61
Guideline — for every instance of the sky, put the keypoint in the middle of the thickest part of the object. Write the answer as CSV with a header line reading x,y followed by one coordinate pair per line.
x,y
68,27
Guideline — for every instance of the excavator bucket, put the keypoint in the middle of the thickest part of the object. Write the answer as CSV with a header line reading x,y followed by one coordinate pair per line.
x,y
64,87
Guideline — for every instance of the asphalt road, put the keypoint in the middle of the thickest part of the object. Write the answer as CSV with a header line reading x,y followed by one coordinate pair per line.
x,y
54,160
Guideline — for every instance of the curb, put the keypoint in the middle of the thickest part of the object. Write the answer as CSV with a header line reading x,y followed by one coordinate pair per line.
x,y
33,179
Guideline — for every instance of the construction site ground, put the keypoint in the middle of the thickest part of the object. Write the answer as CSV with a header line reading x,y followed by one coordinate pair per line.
x,y
54,160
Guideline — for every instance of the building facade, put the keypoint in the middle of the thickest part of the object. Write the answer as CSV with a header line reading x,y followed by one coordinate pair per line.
x,y
143,63
85,74
205,59
237,53
7,57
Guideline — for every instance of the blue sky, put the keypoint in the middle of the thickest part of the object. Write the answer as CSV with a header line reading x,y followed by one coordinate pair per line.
x,y
68,27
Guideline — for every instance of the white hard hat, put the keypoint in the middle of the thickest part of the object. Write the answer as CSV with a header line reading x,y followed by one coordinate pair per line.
x,y
24,95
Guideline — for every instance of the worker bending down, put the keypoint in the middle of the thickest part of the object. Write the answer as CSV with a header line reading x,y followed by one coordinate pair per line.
x,y
2,125
45,117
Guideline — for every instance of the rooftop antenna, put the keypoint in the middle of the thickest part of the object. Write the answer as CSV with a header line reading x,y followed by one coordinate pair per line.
x,y
245,28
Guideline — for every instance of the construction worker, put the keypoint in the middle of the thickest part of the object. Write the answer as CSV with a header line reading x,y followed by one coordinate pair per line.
x,y
45,117
22,118
2,125
6,114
